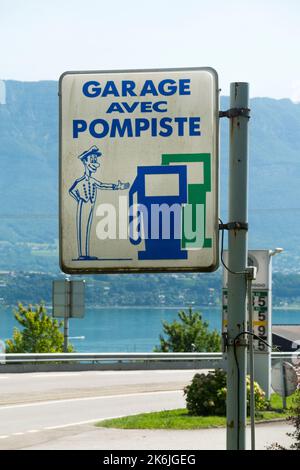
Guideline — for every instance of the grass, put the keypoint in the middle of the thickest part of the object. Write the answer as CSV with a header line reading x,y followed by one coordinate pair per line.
x,y
180,419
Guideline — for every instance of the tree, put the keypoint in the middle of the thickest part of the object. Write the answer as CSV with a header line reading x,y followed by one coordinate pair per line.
x,y
294,418
40,334
189,334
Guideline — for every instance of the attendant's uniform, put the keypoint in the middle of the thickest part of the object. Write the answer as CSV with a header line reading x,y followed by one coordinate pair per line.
x,y
84,190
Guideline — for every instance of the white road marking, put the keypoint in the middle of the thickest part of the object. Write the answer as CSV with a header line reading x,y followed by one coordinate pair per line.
x,y
79,423
50,428
138,372
116,372
21,433
54,375
20,376
68,400
192,371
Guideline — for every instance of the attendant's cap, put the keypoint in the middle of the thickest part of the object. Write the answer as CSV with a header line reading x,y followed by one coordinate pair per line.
x,y
91,151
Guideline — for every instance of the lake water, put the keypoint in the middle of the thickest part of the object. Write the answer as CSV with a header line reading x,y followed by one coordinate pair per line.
x,y
129,329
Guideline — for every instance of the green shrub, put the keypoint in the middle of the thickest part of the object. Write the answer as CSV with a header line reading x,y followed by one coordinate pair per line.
x,y
206,395
295,420
259,397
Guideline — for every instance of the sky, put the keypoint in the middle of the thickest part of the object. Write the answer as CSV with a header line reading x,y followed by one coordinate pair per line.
x,y
255,41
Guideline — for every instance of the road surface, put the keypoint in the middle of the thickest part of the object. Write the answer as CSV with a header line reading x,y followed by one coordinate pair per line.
x,y
58,411
32,387
38,407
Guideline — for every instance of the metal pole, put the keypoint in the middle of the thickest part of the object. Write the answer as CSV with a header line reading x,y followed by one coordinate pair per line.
x,y
284,387
67,314
251,365
66,333
237,262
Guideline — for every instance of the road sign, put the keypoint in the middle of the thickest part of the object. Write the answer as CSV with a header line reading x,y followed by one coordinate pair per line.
x,y
261,297
262,313
260,318
77,299
284,379
68,299
139,171
2,352
261,260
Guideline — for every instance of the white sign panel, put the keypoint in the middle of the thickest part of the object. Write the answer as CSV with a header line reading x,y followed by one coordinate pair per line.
x,y
77,298
2,352
261,298
68,299
261,260
261,327
284,379
60,299
139,171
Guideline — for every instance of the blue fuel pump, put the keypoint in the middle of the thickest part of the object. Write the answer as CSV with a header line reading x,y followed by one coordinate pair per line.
x,y
160,215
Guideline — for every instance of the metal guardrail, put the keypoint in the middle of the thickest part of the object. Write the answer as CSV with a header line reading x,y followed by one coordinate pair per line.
x,y
286,355
12,358
45,362
104,357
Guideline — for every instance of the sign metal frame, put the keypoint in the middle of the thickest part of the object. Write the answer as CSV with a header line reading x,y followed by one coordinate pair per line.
x,y
91,268
68,298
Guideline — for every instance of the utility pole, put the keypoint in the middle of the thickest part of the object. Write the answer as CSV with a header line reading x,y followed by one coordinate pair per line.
x,y
67,314
237,263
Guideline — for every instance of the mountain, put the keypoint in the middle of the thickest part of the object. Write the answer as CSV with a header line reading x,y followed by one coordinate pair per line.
x,y
274,172
29,176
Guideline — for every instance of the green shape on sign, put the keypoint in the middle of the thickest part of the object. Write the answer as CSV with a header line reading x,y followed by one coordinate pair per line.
x,y
196,196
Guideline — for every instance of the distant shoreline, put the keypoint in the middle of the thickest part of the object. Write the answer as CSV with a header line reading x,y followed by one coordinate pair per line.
x,y
158,307
200,307
152,307
286,307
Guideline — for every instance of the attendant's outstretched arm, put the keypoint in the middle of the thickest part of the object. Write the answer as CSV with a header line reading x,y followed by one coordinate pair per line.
x,y
113,186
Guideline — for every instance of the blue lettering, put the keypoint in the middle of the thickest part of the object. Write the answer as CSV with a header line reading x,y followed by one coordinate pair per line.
x,y
168,90
94,91
166,87
130,108
79,125
154,127
99,134
146,107
194,126
148,87
121,129
157,106
184,86
141,125
127,88
115,108
164,127
110,89
165,124
181,121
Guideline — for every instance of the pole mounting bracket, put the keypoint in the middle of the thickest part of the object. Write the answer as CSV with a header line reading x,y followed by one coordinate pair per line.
x,y
235,112
236,343
234,226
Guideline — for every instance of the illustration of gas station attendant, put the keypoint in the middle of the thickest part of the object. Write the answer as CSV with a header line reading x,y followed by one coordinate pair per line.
x,y
84,191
